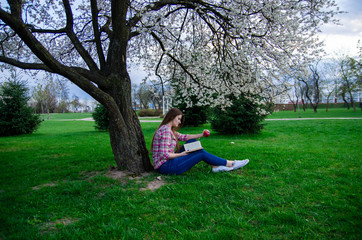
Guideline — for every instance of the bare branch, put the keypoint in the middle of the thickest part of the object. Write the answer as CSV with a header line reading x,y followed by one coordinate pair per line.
x,y
97,35
36,30
40,66
184,68
207,8
23,65
73,37
105,28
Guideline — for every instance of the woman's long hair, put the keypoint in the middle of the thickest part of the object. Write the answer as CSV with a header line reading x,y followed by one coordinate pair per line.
x,y
171,115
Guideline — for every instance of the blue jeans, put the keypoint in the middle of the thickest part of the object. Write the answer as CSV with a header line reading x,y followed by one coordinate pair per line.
x,y
182,164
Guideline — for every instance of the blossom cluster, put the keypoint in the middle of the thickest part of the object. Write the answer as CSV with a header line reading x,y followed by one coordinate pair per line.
x,y
209,49
239,46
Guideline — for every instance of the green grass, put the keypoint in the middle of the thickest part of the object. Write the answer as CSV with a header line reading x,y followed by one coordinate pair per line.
x,y
66,116
303,182
321,113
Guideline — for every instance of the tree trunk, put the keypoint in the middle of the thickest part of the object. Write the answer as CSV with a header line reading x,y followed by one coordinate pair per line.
x,y
129,146
329,95
314,106
127,140
327,105
303,105
352,101
345,101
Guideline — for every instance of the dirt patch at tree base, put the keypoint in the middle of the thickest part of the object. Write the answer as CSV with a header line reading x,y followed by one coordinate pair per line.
x,y
54,225
153,185
123,176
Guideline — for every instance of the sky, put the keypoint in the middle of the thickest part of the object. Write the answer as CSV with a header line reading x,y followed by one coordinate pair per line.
x,y
343,39
339,39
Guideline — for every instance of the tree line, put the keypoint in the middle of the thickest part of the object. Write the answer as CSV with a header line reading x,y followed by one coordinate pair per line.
x,y
337,80
51,95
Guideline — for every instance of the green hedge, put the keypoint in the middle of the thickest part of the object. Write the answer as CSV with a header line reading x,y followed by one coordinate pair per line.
x,y
150,113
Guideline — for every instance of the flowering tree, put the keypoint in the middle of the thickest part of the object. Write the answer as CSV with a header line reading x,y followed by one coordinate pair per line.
x,y
221,47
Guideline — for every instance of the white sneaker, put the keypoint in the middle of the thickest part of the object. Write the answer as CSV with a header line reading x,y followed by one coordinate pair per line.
x,y
222,169
240,163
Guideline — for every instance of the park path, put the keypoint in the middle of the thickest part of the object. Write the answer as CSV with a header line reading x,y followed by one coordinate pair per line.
x,y
278,119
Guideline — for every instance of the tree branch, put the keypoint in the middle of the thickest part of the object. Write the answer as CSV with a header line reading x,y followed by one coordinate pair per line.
x,y
94,77
173,58
16,7
155,6
117,51
97,35
76,75
105,28
36,30
23,65
73,37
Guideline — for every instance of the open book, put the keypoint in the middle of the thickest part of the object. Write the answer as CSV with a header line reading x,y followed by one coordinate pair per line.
x,y
193,146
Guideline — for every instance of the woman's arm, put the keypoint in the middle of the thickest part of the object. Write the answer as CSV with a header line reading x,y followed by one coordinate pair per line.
x,y
205,133
176,155
194,136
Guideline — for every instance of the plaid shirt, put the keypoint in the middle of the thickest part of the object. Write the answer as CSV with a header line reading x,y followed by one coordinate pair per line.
x,y
164,143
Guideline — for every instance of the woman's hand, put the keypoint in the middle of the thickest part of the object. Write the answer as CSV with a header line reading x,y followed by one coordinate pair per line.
x,y
206,133
184,153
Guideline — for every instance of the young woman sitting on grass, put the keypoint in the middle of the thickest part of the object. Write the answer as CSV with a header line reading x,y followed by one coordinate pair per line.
x,y
167,161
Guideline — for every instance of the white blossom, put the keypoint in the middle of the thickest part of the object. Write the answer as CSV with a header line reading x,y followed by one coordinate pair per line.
x,y
209,48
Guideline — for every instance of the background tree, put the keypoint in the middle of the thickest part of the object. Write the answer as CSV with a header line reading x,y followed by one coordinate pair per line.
x,y
330,72
15,116
144,95
91,45
156,90
291,89
75,103
45,94
296,93
312,84
63,96
135,102
39,97
350,69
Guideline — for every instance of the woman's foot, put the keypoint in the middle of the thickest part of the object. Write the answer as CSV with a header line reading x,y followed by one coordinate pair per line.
x,y
221,169
231,165
240,163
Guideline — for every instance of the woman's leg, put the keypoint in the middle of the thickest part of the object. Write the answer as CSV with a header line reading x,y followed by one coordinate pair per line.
x,y
182,164
228,163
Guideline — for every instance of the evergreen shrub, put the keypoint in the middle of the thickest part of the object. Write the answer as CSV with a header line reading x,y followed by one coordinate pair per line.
x,y
195,115
101,117
245,115
16,117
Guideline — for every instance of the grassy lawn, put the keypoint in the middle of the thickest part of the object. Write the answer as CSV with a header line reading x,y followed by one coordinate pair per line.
x,y
66,116
303,182
321,113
